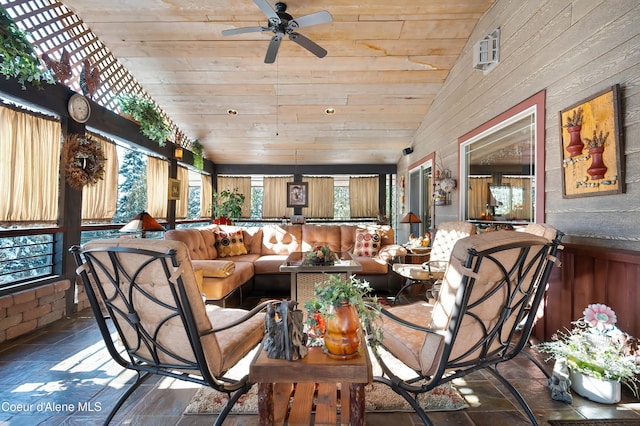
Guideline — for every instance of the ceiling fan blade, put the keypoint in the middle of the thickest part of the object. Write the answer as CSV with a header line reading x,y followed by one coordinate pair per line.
x,y
272,50
234,31
268,10
311,19
311,46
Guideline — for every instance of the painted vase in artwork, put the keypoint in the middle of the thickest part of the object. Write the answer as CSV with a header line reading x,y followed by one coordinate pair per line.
x,y
597,168
576,145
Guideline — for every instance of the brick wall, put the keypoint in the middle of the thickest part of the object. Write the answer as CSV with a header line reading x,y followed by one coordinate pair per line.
x,y
25,311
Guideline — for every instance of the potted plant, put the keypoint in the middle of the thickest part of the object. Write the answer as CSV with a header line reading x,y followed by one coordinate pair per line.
x,y
339,310
599,355
227,205
198,158
17,58
144,111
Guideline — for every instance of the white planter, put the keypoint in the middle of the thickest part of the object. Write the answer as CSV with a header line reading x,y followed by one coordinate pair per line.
x,y
603,391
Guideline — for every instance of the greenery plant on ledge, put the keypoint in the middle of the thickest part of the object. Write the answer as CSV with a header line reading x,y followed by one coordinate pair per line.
x,y
198,158
152,124
17,59
228,204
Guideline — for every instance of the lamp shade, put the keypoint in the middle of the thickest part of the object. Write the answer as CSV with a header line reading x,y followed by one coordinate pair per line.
x,y
142,222
410,218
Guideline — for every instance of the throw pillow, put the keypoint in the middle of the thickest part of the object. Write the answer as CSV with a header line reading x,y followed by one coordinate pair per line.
x,y
230,243
367,242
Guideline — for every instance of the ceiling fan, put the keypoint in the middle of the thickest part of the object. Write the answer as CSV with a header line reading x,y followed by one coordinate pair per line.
x,y
281,23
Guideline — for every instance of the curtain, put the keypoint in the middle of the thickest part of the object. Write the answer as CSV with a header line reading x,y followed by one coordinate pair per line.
x,y
29,167
521,196
182,205
478,196
157,187
243,184
320,198
274,197
364,196
99,201
206,196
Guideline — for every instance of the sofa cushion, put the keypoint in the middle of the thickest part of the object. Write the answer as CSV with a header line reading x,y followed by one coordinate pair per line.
x,y
230,243
199,241
218,288
321,235
269,264
367,242
214,268
281,239
372,265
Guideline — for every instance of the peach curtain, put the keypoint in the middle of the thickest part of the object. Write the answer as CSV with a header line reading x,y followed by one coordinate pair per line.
x,y
521,206
478,196
243,184
29,167
99,201
364,196
206,197
274,197
182,205
157,187
320,198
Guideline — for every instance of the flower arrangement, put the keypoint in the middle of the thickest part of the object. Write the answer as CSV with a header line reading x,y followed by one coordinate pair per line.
x,y
335,291
597,348
321,255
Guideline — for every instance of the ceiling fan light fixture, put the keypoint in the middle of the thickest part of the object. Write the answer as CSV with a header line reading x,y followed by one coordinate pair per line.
x,y
232,111
330,111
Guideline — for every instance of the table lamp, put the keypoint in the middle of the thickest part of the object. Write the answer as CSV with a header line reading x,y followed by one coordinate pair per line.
x,y
410,218
142,222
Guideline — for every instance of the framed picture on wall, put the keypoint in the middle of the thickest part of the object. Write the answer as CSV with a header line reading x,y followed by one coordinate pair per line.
x,y
174,189
297,194
592,146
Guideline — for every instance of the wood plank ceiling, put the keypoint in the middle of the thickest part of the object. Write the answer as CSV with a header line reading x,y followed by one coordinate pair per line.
x,y
386,62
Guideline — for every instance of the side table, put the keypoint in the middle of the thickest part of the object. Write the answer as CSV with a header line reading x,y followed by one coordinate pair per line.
x,y
277,379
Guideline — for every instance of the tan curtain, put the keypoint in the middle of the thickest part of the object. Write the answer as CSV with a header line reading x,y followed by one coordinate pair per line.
x,y
364,196
243,184
320,198
157,187
182,205
524,210
478,196
29,167
206,197
99,201
274,197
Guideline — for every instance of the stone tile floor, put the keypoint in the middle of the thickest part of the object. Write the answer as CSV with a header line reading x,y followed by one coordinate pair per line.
x,y
63,375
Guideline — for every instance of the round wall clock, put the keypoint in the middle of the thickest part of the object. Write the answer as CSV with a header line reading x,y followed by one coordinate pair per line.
x,y
79,108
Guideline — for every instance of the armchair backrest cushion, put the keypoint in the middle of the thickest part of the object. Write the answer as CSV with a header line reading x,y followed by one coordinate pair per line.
x,y
482,302
447,234
147,303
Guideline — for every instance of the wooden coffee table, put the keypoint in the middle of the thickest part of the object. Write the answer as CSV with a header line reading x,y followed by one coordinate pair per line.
x,y
315,375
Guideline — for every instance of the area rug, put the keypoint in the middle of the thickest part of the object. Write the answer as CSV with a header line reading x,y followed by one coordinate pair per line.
x,y
378,397
596,422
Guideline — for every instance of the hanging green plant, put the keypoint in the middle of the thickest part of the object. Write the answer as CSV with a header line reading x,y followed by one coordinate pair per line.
x,y
198,159
17,59
151,122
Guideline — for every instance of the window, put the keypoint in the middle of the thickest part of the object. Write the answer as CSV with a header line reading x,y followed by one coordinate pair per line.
x,y
502,164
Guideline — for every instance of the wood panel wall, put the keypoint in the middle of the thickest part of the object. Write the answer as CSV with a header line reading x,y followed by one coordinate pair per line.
x,y
592,275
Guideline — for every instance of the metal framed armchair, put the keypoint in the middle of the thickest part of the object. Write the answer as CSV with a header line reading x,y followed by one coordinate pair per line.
x,y
432,271
483,316
145,298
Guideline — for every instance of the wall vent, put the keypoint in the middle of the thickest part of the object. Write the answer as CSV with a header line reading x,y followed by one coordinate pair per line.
x,y
486,52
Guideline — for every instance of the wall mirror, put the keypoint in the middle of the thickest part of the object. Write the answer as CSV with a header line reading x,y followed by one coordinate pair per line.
x,y
502,164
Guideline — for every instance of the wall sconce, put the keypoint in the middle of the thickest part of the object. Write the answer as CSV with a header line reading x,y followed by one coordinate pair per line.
x,y
177,153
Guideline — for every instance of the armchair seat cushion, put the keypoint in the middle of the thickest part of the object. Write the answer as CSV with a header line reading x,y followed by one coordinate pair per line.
x,y
232,344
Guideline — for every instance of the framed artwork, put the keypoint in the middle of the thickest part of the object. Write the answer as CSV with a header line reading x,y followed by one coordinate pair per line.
x,y
297,194
174,189
592,145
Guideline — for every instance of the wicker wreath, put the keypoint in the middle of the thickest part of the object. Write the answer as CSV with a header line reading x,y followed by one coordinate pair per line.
x,y
83,161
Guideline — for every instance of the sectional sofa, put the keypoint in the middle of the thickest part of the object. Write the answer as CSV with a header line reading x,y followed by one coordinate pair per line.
x,y
247,260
